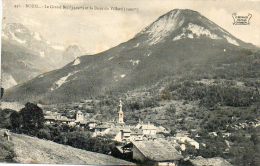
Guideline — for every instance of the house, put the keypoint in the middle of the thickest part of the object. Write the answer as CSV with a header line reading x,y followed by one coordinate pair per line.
x,y
136,134
148,129
153,152
101,130
124,135
49,119
57,119
92,124
200,161
118,152
64,120
161,129
183,140
87,124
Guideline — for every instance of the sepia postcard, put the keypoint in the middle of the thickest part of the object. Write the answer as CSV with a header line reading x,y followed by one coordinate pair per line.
x,y
130,82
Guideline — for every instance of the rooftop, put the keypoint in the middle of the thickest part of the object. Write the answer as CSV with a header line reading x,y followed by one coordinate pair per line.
x,y
216,161
135,131
157,150
146,126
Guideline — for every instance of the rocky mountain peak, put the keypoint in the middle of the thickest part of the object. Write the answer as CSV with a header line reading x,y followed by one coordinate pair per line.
x,y
178,24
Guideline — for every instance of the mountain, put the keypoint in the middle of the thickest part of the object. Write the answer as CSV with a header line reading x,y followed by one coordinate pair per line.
x,y
181,43
71,53
8,80
22,149
26,54
18,34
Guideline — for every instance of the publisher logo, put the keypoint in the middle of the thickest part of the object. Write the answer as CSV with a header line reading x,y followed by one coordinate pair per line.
x,y
240,19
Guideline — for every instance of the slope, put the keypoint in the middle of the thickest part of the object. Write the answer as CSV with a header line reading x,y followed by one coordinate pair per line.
x,y
28,149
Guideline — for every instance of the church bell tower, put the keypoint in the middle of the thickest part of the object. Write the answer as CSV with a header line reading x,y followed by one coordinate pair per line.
x,y
120,113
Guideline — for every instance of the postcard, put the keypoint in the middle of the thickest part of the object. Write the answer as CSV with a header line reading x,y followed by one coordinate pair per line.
x,y
130,82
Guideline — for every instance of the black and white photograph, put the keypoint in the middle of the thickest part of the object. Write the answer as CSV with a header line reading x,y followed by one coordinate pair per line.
x,y
130,82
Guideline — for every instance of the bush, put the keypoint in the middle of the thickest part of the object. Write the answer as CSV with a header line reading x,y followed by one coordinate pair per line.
x,y
83,140
44,134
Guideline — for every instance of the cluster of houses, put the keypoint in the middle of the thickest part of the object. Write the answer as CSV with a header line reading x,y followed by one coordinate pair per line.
x,y
143,142
127,133
118,129
79,120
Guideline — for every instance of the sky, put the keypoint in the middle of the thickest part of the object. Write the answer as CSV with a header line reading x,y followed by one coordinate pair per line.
x,y
97,30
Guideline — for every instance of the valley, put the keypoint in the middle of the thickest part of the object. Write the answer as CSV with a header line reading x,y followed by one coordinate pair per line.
x,y
183,73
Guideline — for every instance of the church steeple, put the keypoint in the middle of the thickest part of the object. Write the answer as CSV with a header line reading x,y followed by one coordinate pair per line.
x,y
120,113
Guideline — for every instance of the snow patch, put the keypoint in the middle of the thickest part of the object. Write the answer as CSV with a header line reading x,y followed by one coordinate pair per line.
x,y
17,39
164,26
18,30
4,35
137,45
179,37
232,41
8,81
56,47
199,31
134,62
148,54
40,76
122,75
190,36
62,81
76,62
42,54
196,31
37,36
110,58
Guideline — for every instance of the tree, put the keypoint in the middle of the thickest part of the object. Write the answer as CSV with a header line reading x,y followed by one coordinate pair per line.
x,y
5,121
32,117
16,120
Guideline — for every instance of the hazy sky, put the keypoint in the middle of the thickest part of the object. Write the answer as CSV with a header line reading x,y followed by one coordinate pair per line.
x,y
95,31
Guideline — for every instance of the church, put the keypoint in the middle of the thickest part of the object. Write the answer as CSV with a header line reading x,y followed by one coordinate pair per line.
x,y
120,113
127,133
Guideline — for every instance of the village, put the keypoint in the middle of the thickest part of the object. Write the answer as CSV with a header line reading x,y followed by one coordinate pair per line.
x,y
143,142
